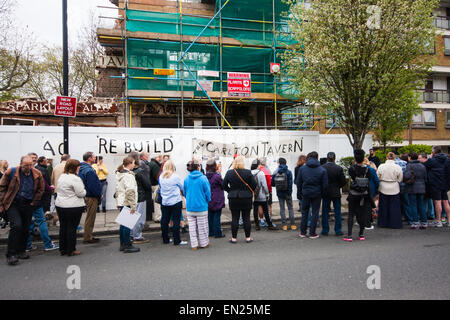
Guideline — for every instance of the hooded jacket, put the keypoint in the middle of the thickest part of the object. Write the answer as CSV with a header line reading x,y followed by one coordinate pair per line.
x,y
143,183
261,180
436,169
217,194
91,182
126,189
312,179
197,191
283,169
420,180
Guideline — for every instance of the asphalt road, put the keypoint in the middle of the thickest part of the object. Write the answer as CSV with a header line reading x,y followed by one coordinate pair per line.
x,y
413,264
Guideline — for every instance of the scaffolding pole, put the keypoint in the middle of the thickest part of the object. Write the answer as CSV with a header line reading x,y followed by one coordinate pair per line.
x,y
126,62
181,66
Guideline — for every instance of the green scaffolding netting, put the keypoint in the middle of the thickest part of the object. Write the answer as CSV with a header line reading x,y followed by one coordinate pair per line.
x,y
249,14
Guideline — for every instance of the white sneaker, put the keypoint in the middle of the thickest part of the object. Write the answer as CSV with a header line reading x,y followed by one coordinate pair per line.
x,y
437,224
183,243
369,228
53,247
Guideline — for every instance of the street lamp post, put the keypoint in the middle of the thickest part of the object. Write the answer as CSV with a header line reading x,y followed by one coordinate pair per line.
x,y
65,73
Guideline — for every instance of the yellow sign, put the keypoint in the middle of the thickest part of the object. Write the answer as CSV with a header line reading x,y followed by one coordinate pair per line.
x,y
164,72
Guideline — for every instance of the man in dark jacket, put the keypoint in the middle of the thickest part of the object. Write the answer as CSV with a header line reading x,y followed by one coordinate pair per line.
x,y
415,178
336,180
93,188
373,158
155,169
437,175
282,180
145,164
21,189
141,173
313,182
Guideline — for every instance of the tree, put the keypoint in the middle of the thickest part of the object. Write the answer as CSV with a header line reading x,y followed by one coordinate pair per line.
x,y
357,66
393,120
16,59
83,54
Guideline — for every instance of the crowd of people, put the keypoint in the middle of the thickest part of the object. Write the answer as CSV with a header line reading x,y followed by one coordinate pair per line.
x,y
408,186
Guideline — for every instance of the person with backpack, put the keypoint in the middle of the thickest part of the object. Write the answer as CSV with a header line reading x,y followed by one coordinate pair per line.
x,y
336,180
313,183
21,189
240,185
282,180
415,178
300,163
261,196
359,198
390,175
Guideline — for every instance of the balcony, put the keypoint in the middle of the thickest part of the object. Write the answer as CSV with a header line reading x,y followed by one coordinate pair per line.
x,y
435,96
442,22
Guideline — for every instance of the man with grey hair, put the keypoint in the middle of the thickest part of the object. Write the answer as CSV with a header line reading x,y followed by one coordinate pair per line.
x,y
143,187
155,169
21,189
268,174
437,167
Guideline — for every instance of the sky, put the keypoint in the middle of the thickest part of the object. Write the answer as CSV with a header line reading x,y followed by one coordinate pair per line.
x,y
44,17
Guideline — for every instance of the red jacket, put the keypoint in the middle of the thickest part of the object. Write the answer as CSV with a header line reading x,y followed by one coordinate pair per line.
x,y
268,178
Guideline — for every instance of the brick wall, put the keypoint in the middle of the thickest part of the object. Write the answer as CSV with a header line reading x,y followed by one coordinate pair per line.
x,y
107,87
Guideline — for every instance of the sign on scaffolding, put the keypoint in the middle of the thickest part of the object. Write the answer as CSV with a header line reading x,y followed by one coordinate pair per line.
x,y
239,84
164,72
66,107
206,84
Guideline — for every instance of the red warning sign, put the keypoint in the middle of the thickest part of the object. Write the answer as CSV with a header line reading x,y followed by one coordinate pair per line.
x,y
239,84
66,107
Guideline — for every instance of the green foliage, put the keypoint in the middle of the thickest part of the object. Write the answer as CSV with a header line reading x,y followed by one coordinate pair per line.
x,y
417,148
346,163
382,154
357,72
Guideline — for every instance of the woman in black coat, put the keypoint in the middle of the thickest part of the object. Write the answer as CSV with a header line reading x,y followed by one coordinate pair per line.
x,y
240,185
415,178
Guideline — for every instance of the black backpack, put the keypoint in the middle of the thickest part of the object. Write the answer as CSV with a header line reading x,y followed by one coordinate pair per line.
x,y
360,186
281,181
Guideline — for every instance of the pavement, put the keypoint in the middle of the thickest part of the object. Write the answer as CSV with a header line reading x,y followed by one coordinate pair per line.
x,y
277,265
105,225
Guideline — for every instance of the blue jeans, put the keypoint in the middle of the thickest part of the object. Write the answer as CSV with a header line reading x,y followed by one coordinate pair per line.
x,y
429,208
406,207
39,217
288,201
337,215
417,208
314,203
215,228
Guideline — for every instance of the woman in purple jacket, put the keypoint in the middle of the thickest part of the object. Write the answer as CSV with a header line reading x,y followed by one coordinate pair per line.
x,y
217,200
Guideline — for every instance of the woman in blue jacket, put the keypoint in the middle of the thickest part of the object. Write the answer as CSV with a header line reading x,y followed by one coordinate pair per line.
x,y
198,194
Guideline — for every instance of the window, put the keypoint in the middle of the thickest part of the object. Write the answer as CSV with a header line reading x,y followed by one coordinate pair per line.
x,y
18,122
447,46
426,119
447,123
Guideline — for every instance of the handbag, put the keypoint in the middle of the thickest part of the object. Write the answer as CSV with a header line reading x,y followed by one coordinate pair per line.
x,y
158,197
253,192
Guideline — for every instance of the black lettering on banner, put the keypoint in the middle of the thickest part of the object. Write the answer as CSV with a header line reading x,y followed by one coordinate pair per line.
x,y
136,149
208,145
148,146
48,147
112,146
299,146
265,147
254,151
168,148
102,142
156,149
284,148
290,147
246,151
127,147
61,145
